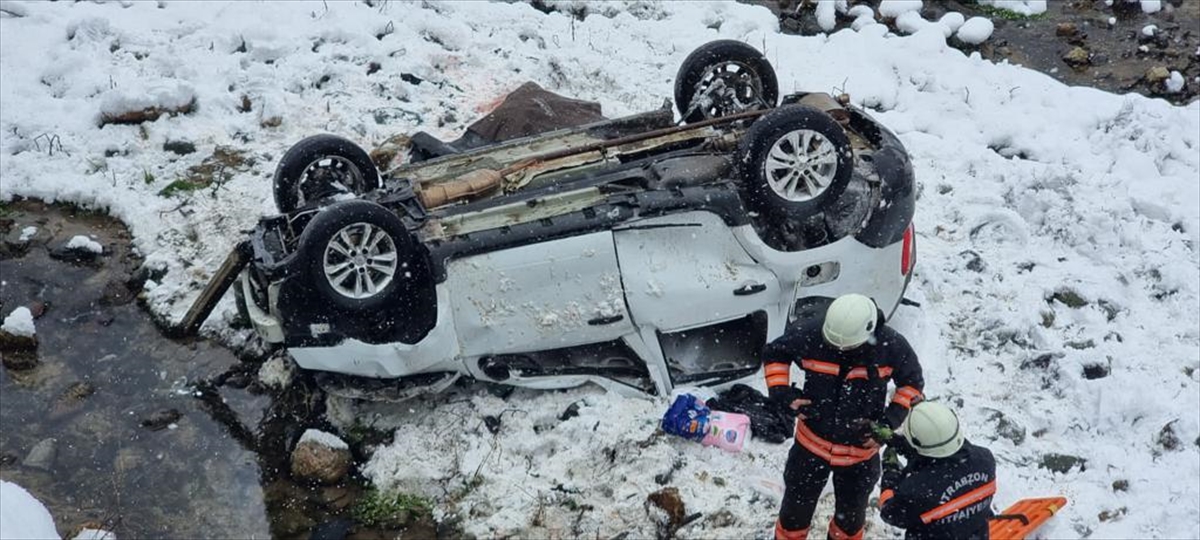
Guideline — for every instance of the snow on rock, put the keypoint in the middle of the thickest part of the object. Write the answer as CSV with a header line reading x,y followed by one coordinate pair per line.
x,y
146,100
1149,30
27,233
277,372
1023,7
19,323
83,243
1151,6
321,457
826,14
1175,82
952,20
862,14
975,30
890,9
323,438
21,515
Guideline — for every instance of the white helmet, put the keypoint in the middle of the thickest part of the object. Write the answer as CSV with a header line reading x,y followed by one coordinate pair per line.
x,y
849,321
932,430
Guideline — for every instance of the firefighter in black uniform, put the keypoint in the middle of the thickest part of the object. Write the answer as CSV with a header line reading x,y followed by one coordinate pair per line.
x,y
848,360
945,491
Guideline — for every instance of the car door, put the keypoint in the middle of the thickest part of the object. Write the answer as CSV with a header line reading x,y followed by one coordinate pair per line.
x,y
541,296
687,270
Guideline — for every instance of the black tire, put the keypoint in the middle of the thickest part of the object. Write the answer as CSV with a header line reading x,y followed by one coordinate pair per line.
x,y
718,57
776,127
341,224
301,177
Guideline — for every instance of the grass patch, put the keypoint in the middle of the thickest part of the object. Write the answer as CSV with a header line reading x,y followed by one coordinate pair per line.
x,y
1008,14
390,510
147,176
213,172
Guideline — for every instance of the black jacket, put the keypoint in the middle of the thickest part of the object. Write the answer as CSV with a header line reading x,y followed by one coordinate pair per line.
x,y
949,498
848,386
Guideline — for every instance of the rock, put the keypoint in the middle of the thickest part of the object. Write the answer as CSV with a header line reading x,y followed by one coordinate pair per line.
x,y
1062,463
668,500
492,423
74,253
42,455
337,497
276,372
721,518
182,148
37,308
1008,429
1069,298
14,344
1095,371
1120,485
71,398
1167,438
320,456
7,459
1157,74
1078,57
571,412
116,293
161,419
1066,29
1112,515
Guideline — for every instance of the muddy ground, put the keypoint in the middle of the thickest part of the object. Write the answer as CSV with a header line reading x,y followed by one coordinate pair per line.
x,y
114,426
1072,41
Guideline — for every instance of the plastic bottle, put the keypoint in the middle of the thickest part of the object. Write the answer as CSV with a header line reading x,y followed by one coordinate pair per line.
x,y
727,431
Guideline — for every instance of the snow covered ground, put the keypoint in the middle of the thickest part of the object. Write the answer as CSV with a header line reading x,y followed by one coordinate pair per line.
x,y
1057,231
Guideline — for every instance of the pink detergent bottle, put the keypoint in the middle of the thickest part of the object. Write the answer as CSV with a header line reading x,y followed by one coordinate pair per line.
x,y
727,431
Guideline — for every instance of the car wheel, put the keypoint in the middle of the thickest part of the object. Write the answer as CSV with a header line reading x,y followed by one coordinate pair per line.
x,y
722,78
319,167
358,255
792,161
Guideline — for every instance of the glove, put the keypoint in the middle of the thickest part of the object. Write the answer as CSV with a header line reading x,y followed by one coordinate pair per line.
x,y
875,434
784,396
892,470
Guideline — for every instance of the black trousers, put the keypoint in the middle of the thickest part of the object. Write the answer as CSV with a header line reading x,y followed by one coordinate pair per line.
x,y
804,477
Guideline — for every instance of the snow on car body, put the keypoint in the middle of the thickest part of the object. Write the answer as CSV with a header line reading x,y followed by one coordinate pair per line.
x,y
632,253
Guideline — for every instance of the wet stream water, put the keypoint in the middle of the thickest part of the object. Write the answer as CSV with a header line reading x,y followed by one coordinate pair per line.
x,y
106,389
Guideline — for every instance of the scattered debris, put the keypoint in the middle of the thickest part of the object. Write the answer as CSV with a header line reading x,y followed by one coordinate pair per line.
x,y
161,419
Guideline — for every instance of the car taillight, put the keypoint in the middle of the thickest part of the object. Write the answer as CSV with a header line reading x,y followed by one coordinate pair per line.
x,y
908,251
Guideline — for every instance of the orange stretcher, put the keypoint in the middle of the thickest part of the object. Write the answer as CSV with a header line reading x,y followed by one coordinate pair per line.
x,y
1024,517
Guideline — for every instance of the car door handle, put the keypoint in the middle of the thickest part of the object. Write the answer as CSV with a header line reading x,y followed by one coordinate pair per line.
x,y
749,289
600,321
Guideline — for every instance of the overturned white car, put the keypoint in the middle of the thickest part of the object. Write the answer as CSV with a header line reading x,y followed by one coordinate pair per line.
x,y
636,253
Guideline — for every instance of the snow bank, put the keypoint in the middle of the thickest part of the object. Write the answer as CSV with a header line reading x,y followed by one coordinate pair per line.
x,y
1058,230
19,323
323,438
890,9
83,243
975,30
1175,82
21,515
